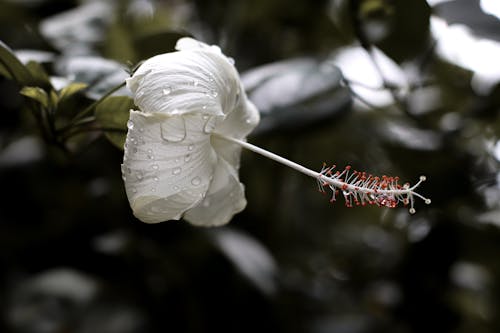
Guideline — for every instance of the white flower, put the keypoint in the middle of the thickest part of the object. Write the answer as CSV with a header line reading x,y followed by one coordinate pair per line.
x,y
175,164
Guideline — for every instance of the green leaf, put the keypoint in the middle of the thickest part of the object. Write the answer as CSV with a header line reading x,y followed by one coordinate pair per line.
x,y
112,115
71,89
12,67
38,75
37,94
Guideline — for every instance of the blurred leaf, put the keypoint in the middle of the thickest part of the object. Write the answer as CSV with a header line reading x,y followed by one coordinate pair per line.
x,y
80,28
37,94
113,114
118,45
39,56
470,13
11,66
38,74
249,256
71,89
100,74
296,93
153,43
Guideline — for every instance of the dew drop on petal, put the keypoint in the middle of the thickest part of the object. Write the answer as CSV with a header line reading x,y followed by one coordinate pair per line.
x,y
204,107
190,147
155,178
187,158
176,171
196,181
153,189
166,91
175,188
196,82
139,175
155,167
231,60
173,129
134,190
130,124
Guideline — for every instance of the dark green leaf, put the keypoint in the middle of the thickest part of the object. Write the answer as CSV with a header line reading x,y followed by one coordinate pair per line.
x,y
38,75
11,66
112,115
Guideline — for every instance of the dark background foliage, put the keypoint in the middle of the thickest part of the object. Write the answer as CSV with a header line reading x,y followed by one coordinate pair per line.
x,y
74,259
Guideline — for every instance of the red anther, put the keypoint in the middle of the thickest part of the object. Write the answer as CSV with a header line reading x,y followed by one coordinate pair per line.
x,y
347,167
344,187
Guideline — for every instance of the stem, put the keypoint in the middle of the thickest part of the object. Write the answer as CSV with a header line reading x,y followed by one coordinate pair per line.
x,y
272,156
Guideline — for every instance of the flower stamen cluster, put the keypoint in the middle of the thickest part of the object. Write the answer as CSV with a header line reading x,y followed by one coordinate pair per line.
x,y
360,188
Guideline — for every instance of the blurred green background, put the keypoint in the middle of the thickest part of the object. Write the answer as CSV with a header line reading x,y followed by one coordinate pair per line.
x,y
399,87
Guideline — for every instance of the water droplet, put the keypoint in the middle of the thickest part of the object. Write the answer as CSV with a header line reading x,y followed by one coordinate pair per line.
x,y
196,181
141,130
248,121
190,147
205,117
155,178
139,175
139,94
204,107
133,141
173,129
153,189
177,160
209,125
176,171
134,190
155,167
130,124
196,82
150,155
231,60
187,158
176,188
214,93
167,91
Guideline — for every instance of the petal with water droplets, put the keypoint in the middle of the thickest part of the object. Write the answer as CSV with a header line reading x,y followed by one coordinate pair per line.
x,y
161,185
225,197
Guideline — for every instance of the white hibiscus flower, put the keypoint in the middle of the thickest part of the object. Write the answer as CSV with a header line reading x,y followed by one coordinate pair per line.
x,y
174,166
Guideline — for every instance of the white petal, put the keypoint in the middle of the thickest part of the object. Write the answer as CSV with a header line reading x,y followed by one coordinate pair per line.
x,y
185,82
237,124
187,43
225,197
168,164
241,120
